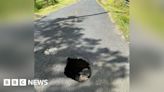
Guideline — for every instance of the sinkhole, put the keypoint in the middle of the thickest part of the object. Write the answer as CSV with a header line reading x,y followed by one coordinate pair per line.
x,y
77,69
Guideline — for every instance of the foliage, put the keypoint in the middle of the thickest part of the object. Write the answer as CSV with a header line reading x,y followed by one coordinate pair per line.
x,y
43,8
39,4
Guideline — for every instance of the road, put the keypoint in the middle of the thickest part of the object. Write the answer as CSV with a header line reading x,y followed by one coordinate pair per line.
x,y
81,30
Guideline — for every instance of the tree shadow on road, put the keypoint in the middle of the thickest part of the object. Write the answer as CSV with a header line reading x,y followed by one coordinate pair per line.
x,y
58,39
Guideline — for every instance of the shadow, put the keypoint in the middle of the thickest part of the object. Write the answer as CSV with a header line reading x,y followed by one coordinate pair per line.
x,y
58,39
73,17
93,14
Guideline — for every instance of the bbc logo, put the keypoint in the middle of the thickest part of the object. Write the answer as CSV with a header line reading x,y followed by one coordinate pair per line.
x,y
14,82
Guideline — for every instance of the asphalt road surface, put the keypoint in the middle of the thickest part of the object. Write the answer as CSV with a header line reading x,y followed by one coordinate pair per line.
x,y
81,30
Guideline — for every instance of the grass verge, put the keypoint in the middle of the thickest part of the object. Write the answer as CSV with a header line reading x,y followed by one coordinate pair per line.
x,y
47,10
119,11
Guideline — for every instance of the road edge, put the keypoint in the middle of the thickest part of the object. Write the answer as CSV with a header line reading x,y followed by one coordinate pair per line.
x,y
118,31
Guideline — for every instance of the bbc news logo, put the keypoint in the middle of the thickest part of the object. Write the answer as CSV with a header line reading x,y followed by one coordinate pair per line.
x,y
24,82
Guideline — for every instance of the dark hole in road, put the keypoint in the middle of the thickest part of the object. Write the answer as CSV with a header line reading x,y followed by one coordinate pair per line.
x,y
77,69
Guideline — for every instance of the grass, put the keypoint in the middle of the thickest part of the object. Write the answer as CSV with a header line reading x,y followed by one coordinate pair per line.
x,y
46,10
119,11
